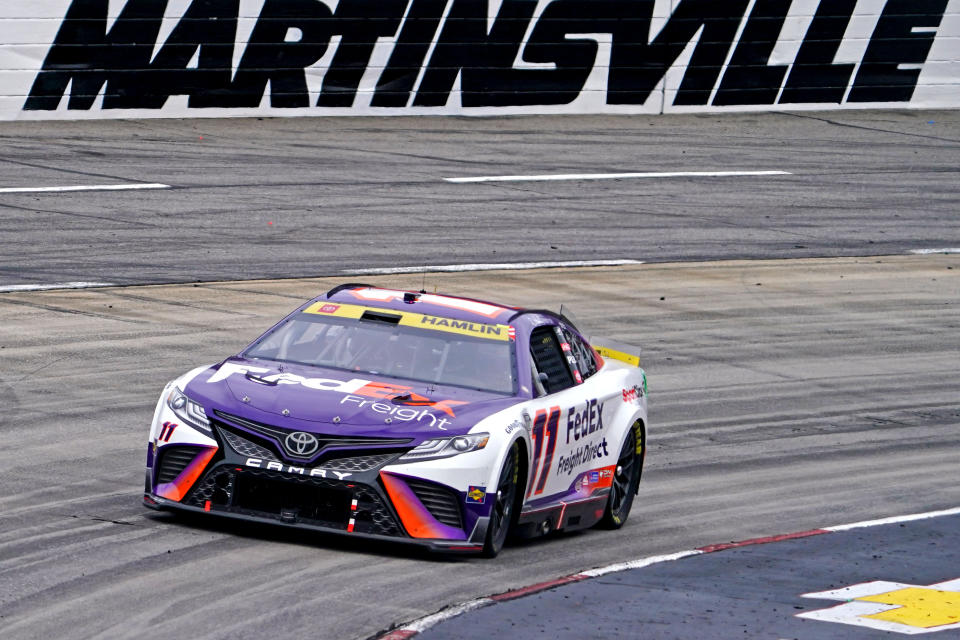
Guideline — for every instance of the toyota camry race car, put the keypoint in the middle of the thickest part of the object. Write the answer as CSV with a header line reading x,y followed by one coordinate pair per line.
x,y
432,419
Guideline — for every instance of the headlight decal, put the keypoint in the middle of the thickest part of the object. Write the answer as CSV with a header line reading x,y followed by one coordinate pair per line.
x,y
437,448
187,410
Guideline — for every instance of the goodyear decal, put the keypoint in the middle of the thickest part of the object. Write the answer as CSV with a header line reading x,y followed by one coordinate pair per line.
x,y
500,332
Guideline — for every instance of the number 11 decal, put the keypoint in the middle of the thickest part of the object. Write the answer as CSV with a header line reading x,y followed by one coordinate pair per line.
x,y
545,424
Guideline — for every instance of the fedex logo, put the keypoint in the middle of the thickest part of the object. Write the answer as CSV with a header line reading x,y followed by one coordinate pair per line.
x,y
583,422
356,386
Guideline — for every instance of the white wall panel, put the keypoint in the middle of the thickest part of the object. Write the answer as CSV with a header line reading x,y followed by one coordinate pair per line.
x,y
148,58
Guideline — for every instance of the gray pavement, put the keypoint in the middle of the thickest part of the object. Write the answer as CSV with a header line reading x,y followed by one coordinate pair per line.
x,y
753,592
783,395
279,198
781,391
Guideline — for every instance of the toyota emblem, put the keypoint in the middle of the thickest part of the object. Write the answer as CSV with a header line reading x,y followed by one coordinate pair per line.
x,y
300,443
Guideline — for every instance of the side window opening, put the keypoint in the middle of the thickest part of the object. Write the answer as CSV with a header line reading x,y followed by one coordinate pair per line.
x,y
550,359
586,363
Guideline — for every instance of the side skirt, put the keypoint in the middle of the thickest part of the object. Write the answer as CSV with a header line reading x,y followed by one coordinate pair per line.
x,y
563,516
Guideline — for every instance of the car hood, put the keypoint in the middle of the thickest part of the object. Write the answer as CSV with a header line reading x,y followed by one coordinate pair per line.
x,y
334,401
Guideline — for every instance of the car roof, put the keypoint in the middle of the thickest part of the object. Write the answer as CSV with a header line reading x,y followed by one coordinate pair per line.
x,y
454,307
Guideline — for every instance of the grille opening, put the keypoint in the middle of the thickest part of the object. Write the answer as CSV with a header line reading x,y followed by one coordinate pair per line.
x,y
173,460
443,504
348,460
305,501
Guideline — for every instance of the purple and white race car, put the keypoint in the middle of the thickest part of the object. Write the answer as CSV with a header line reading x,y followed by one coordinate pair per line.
x,y
432,419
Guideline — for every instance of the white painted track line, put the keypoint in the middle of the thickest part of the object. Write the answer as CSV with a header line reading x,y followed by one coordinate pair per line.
x,y
492,266
928,252
92,187
10,288
617,176
895,520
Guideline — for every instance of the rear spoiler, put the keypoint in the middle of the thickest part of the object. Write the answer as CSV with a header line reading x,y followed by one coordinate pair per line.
x,y
611,349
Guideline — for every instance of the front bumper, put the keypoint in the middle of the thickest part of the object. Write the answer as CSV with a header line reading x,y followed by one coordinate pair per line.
x,y
245,478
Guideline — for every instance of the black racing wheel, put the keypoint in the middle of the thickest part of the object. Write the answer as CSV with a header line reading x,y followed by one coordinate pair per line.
x,y
502,514
625,480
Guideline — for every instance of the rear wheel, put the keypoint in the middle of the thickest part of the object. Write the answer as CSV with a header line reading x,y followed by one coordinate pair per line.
x,y
502,514
625,480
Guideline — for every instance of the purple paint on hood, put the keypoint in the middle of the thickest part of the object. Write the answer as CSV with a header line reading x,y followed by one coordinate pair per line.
x,y
334,401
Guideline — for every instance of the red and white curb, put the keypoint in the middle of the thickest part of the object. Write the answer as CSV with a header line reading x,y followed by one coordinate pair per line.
x,y
412,628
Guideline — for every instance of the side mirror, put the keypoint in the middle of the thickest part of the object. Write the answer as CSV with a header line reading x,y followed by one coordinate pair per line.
x,y
542,377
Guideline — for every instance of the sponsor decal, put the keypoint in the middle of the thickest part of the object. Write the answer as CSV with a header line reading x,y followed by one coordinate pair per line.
x,y
581,423
476,495
328,308
892,606
582,455
632,394
596,479
417,52
397,412
397,394
272,465
513,426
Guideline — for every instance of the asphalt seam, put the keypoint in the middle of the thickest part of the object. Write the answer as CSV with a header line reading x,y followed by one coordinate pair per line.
x,y
413,627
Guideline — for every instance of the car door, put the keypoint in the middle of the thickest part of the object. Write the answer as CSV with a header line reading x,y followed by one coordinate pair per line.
x,y
569,434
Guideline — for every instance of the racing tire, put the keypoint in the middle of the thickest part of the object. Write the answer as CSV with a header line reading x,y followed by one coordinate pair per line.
x,y
504,510
626,479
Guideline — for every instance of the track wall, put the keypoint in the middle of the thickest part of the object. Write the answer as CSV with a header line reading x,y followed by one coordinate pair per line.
x,y
70,59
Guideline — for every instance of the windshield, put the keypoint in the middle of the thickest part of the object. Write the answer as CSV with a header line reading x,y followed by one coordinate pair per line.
x,y
384,348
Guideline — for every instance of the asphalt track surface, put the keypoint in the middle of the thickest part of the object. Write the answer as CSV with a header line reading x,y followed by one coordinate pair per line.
x,y
325,196
785,394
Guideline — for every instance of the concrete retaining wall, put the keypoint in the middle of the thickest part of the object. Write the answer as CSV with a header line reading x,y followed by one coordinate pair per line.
x,y
173,58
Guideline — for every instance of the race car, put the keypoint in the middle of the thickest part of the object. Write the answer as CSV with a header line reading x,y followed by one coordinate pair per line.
x,y
433,419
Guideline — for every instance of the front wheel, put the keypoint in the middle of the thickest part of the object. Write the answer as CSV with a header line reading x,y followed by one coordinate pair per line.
x,y
502,513
625,480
